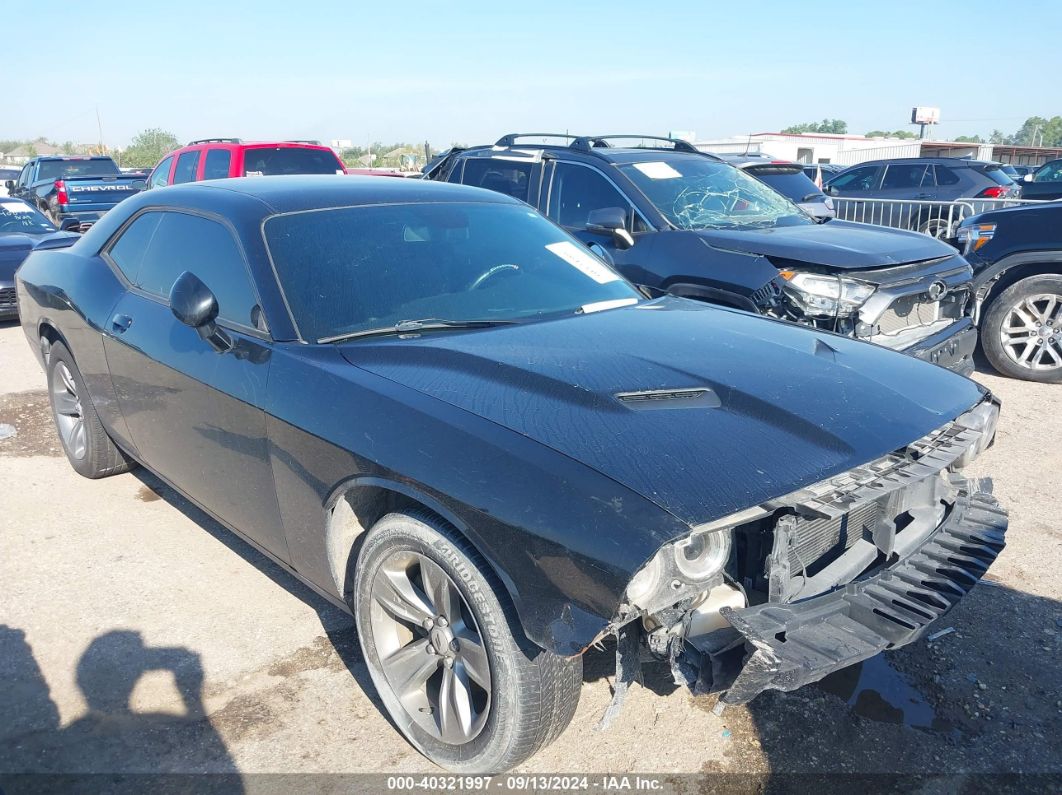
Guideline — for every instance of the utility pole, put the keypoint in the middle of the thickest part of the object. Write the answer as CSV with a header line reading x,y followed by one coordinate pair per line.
x,y
99,126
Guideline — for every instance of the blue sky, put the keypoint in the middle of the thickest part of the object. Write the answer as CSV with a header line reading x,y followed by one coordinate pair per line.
x,y
470,71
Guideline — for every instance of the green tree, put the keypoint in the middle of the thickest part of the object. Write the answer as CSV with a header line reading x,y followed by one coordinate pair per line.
x,y
830,126
148,147
893,134
969,139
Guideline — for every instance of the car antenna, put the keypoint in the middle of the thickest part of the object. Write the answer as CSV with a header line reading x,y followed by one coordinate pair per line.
x,y
748,144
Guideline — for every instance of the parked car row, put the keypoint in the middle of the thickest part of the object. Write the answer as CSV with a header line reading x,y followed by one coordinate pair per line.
x,y
447,415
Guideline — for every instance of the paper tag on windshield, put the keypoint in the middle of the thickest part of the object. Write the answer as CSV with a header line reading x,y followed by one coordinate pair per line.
x,y
584,261
657,170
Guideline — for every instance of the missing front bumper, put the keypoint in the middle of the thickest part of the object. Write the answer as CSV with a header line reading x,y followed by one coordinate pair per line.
x,y
786,646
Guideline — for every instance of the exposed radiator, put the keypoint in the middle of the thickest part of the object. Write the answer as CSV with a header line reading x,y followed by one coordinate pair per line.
x,y
815,538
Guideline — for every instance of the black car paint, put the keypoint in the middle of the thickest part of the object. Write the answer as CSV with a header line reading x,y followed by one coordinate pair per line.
x,y
512,434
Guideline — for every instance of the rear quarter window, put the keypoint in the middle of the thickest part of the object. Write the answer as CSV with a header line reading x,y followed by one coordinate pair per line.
x,y
127,252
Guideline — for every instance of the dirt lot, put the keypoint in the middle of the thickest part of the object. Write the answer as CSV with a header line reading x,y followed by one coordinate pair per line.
x,y
136,635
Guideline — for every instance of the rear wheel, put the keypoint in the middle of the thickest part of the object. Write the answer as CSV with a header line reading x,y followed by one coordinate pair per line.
x,y
446,652
1021,333
938,228
87,446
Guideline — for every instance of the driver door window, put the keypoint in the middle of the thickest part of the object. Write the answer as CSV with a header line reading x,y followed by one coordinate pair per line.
x,y
576,191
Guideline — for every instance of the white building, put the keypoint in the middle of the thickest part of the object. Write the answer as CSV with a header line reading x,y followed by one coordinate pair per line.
x,y
846,150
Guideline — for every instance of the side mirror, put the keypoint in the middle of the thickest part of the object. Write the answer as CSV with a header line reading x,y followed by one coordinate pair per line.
x,y
829,191
9,184
194,304
70,225
1026,178
611,221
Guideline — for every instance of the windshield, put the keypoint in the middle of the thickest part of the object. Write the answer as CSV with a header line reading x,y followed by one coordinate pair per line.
x,y
56,169
354,269
791,183
290,160
17,216
698,193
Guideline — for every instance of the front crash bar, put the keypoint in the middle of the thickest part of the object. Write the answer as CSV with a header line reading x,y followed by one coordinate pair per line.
x,y
791,645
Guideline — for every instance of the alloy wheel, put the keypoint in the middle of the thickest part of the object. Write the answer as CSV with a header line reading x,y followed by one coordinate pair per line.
x,y
69,416
430,647
1031,332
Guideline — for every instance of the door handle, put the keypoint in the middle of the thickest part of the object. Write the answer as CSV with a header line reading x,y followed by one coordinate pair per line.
x,y
121,323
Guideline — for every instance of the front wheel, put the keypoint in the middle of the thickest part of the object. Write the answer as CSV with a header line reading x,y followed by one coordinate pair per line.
x,y
445,650
1021,332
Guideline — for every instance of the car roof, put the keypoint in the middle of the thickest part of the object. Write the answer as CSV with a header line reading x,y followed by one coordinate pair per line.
x,y
73,157
958,162
759,160
295,193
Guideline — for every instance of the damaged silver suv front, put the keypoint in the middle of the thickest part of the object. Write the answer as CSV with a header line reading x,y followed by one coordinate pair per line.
x,y
786,592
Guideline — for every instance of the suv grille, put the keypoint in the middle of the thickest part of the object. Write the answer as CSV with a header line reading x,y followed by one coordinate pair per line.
x,y
7,298
912,311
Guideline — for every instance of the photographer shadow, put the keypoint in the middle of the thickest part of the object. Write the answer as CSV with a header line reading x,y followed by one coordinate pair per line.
x,y
110,738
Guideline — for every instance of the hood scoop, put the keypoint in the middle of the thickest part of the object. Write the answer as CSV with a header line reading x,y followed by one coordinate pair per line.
x,y
651,399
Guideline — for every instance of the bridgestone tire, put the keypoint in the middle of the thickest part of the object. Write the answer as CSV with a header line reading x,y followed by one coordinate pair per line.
x,y
100,457
534,692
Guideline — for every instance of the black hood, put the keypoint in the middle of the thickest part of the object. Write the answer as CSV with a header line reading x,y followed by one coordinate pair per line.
x,y
834,244
781,406
16,246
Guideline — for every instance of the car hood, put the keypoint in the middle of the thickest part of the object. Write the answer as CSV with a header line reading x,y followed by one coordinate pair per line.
x,y
16,246
782,406
834,244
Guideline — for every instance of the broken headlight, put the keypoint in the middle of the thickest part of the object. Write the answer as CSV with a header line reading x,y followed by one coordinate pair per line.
x,y
819,295
688,566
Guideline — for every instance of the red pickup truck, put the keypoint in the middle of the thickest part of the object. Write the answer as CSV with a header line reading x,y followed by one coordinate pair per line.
x,y
218,158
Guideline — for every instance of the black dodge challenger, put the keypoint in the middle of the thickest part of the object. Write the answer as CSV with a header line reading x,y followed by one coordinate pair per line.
x,y
445,414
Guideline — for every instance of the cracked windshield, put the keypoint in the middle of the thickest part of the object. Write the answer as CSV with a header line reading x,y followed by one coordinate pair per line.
x,y
706,194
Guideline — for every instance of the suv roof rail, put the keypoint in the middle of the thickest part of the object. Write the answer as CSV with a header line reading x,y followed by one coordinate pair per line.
x,y
313,141
214,141
511,138
592,141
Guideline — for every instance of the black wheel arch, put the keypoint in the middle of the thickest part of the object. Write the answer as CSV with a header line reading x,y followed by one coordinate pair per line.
x,y
356,504
1008,271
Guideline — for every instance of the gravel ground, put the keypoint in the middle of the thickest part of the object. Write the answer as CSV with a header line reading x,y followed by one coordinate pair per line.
x,y
136,635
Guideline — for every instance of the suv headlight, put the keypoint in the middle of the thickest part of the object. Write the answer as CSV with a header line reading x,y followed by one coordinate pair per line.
x,y
819,295
972,237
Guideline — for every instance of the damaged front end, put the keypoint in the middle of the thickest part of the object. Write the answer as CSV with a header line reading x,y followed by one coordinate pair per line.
x,y
786,592
924,309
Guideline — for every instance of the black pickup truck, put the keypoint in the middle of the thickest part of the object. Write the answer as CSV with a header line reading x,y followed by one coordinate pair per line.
x,y
74,186
1045,183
